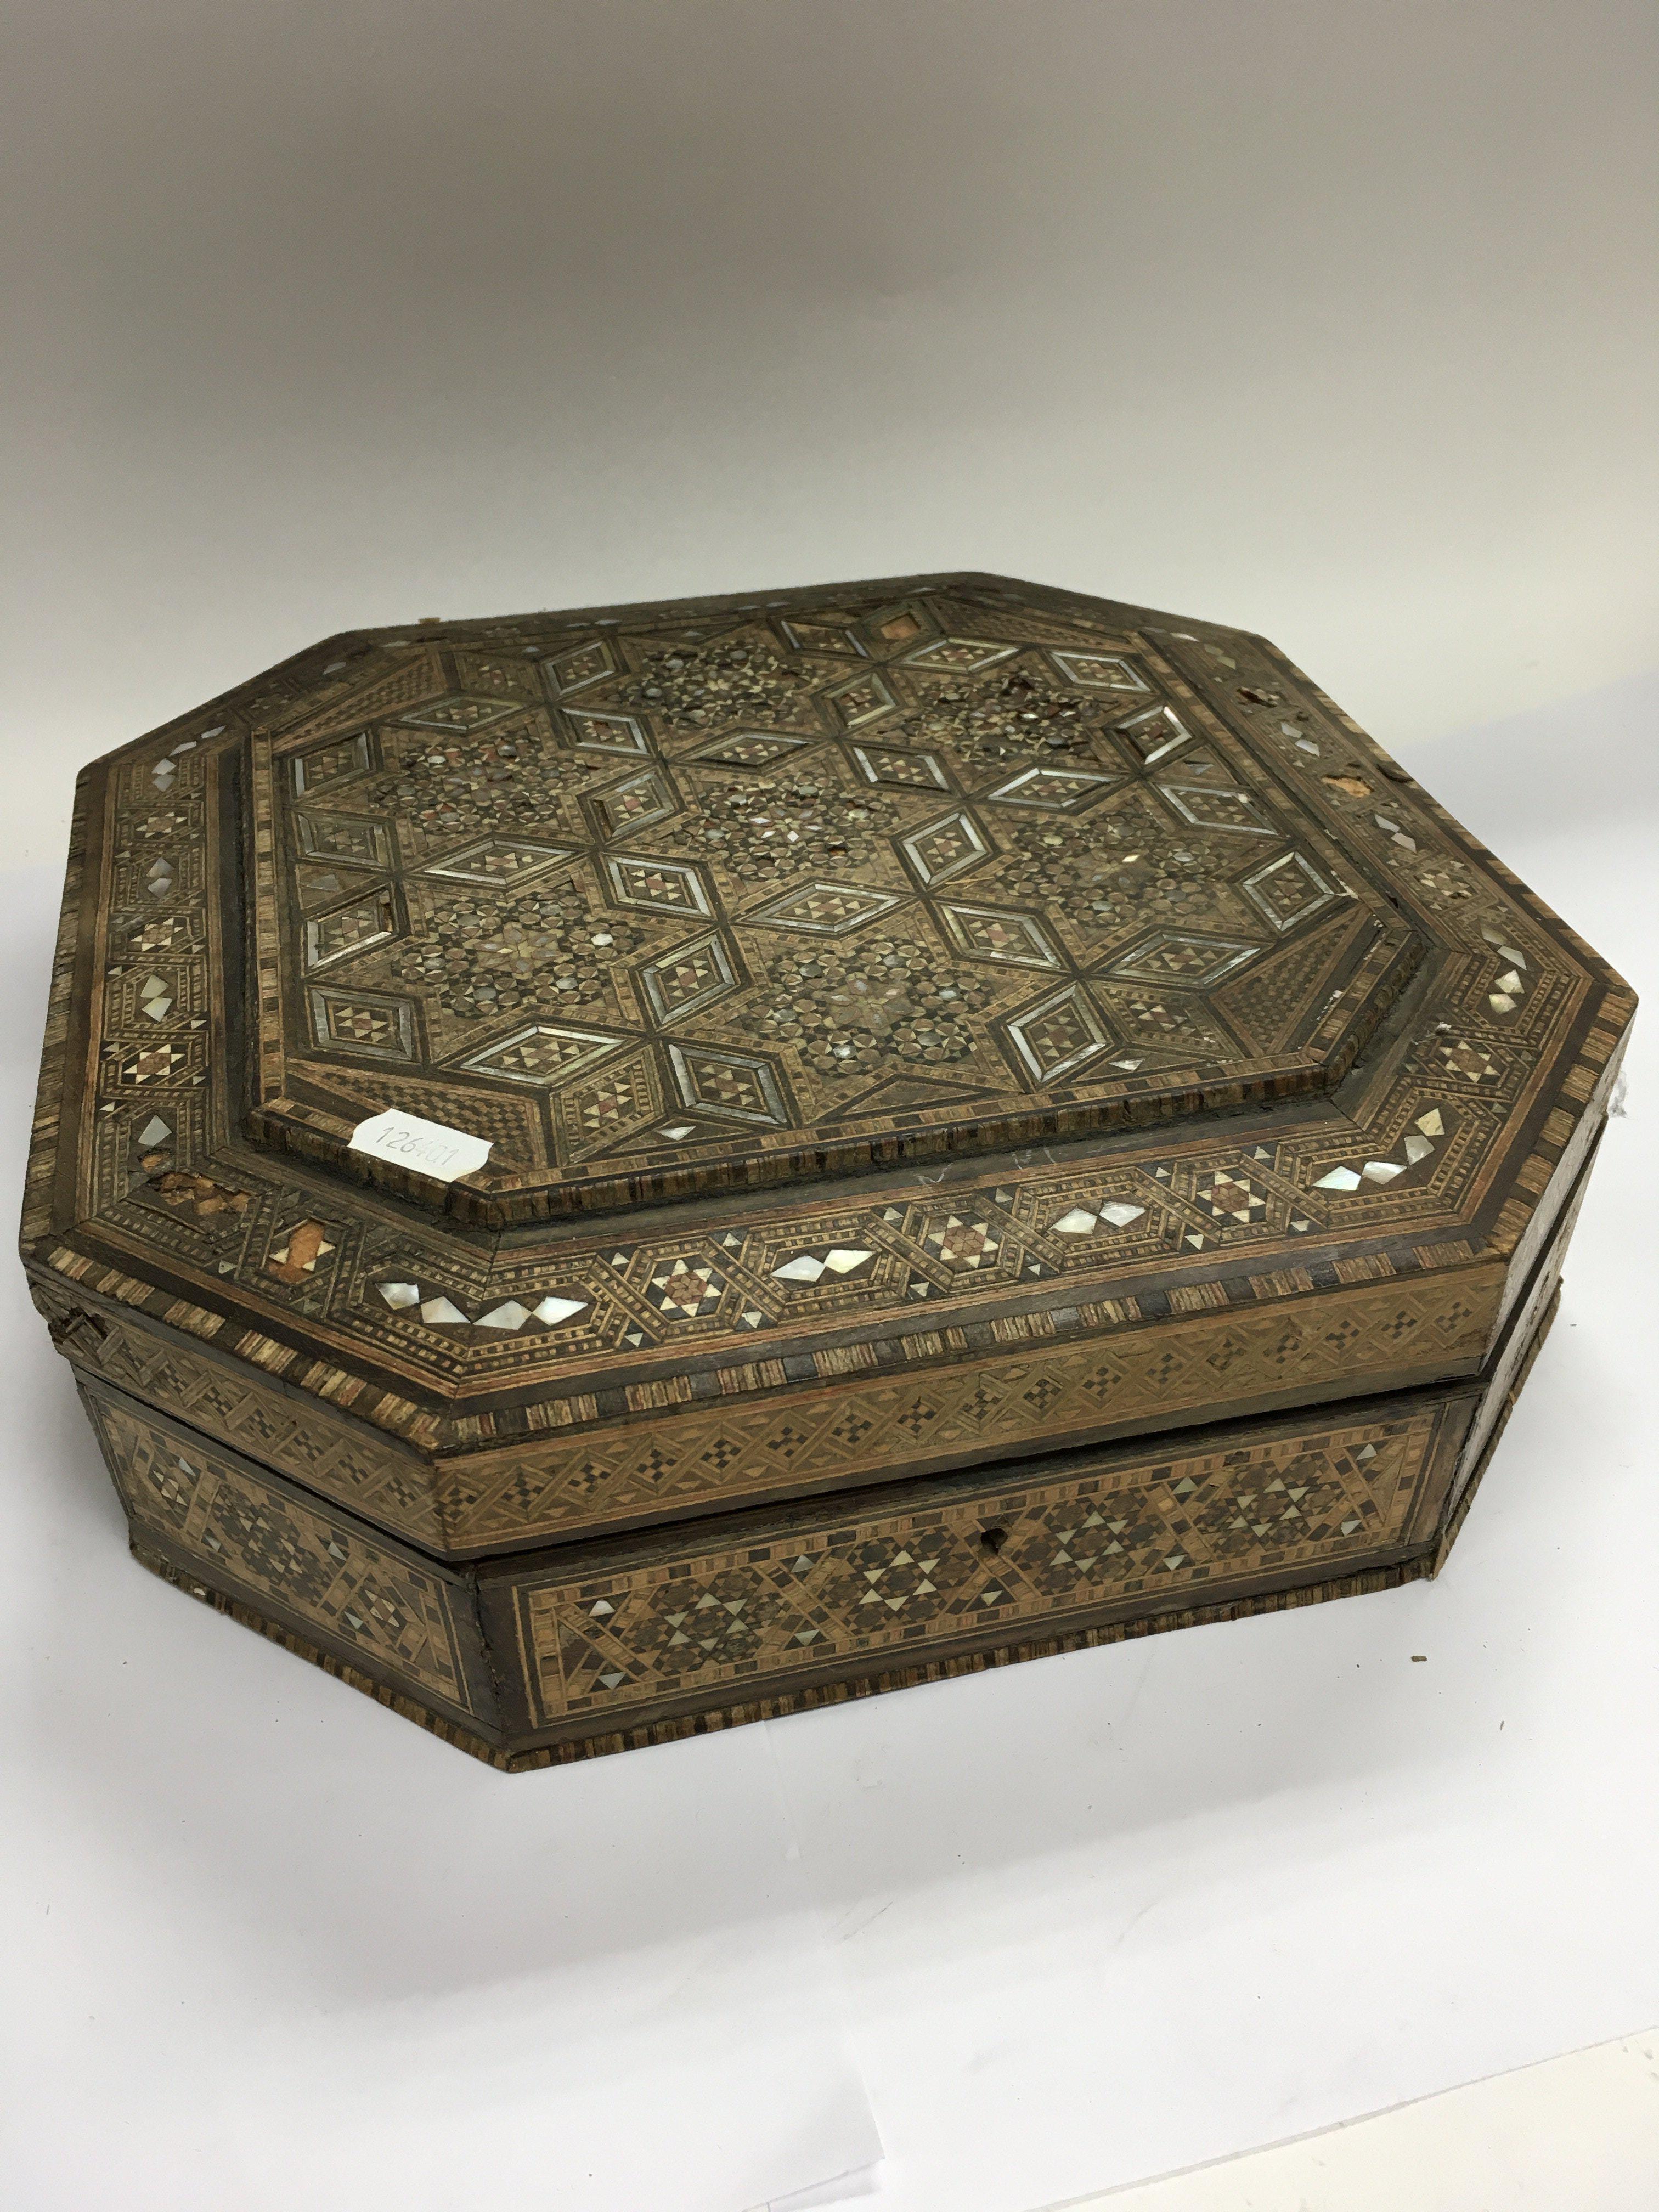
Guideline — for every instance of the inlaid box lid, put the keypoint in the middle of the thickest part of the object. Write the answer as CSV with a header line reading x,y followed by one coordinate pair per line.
x,y
701,901
909,978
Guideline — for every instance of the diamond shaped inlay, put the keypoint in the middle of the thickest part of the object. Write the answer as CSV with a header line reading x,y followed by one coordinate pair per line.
x,y
863,699
344,839
658,886
331,764
371,1023
1214,806
544,1054
1098,672
347,929
513,1313
635,804
959,656
730,1084
498,860
1159,731
946,847
813,1267
606,734
616,1102
459,713
750,748
1058,1036
1083,1220
1051,790
888,764
825,909
682,983
1288,890
582,665
821,637
990,934
1169,956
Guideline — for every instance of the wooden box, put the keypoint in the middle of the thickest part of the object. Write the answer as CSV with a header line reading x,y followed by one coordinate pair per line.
x,y
1013,1124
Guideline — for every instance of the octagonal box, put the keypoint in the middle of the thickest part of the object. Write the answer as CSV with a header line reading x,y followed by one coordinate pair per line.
x,y
1013,1124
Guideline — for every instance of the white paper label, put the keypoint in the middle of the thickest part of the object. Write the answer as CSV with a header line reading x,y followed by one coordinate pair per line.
x,y
426,1148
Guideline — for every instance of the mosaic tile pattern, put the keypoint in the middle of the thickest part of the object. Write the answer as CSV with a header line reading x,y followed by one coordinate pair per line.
x,y
1008,806
1167,1531
1438,1159
868,1423
387,1611
674,904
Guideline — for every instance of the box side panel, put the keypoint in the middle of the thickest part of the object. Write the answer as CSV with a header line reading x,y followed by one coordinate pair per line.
x,y
343,1462
1528,1324
62,1077
598,1646
605,1646
808,1606
211,1517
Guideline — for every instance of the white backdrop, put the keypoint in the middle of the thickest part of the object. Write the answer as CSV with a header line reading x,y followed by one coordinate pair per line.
x,y
1333,318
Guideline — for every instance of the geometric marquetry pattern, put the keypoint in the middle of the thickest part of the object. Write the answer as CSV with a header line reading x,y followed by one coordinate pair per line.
x,y
1174,1530
880,1002
261,1541
469,790
1050,1396
924,841
366,1473
1039,1393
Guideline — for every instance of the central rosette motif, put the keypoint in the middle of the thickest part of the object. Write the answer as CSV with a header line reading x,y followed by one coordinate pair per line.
x,y
846,1008
1118,869
774,825
535,952
707,687
488,780
1005,718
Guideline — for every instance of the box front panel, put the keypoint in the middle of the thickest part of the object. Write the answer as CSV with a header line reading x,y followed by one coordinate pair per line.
x,y
961,1567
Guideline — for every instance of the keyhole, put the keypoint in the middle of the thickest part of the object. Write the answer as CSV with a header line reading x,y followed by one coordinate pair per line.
x,y
993,1539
